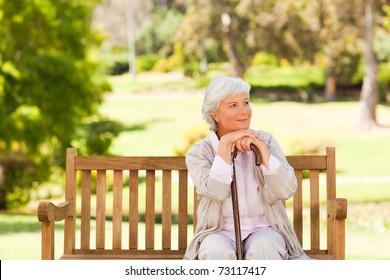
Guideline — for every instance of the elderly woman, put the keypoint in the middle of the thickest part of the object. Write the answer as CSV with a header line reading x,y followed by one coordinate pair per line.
x,y
266,232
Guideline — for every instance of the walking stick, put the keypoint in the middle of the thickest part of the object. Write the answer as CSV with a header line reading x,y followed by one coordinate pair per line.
x,y
236,213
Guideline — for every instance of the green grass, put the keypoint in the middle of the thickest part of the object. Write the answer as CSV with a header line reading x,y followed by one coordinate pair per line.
x,y
367,245
20,237
161,122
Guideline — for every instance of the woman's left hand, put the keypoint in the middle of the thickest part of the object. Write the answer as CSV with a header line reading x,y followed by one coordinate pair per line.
x,y
243,144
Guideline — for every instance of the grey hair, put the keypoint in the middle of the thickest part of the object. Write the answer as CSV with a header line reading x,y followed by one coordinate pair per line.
x,y
220,88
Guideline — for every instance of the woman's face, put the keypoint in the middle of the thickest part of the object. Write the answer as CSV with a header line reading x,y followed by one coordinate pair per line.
x,y
234,113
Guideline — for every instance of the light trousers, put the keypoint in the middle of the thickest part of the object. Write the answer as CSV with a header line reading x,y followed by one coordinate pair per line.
x,y
266,244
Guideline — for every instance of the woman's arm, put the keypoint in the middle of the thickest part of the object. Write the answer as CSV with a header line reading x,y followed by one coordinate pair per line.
x,y
281,184
200,163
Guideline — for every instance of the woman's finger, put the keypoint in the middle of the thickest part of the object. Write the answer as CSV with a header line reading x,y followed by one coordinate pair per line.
x,y
239,145
247,143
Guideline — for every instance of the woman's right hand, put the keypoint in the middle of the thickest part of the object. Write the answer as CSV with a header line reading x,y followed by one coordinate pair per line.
x,y
240,139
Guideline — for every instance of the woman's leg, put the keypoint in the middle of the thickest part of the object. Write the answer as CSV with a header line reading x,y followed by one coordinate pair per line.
x,y
217,246
266,244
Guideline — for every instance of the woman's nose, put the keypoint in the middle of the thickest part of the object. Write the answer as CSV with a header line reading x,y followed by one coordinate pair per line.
x,y
244,110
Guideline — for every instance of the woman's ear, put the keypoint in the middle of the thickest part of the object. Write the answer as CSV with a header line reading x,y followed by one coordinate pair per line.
x,y
215,117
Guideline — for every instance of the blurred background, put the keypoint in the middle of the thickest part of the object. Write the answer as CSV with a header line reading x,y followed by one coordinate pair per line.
x,y
127,77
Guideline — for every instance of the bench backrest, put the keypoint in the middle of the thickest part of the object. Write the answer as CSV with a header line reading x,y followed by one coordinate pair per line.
x,y
150,189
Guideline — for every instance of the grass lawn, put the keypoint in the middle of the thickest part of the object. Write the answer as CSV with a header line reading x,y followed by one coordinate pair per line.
x,y
20,237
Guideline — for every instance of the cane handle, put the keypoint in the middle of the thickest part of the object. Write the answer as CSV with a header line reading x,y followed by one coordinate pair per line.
x,y
257,153
255,150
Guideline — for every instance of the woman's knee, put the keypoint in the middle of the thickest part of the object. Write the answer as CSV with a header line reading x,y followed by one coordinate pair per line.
x,y
216,247
266,246
217,253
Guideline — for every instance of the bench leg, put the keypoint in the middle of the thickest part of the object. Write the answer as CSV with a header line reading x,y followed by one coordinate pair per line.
x,y
340,239
47,240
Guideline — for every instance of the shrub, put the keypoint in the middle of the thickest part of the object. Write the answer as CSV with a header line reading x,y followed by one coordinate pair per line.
x,y
263,58
119,68
190,137
94,137
308,146
146,62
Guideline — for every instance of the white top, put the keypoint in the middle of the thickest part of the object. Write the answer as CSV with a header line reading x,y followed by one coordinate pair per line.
x,y
251,210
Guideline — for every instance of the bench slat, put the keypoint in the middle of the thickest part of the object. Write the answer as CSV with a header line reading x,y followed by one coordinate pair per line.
x,y
150,209
183,209
85,209
331,195
125,254
297,207
129,163
307,162
117,210
167,210
100,209
133,209
315,209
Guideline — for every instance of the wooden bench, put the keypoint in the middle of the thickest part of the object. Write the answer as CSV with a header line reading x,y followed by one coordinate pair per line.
x,y
124,221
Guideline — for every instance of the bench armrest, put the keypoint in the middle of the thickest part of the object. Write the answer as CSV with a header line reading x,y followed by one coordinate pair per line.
x,y
48,213
337,208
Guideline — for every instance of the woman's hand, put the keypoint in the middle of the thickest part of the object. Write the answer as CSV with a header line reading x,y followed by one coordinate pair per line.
x,y
244,145
227,143
241,140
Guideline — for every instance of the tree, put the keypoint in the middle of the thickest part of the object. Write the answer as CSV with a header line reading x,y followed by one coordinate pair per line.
x,y
48,85
338,26
369,93
247,27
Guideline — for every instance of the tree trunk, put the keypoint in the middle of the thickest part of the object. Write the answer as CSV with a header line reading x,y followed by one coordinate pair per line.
x,y
232,52
2,200
331,84
369,92
2,189
230,42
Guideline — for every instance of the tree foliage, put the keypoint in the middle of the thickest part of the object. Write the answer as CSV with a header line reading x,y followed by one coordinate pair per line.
x,y
247,27
339,28
48,85
155,36
329,33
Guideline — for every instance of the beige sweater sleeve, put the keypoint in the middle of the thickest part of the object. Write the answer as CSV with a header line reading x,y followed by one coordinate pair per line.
x,y
199,160
282,184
